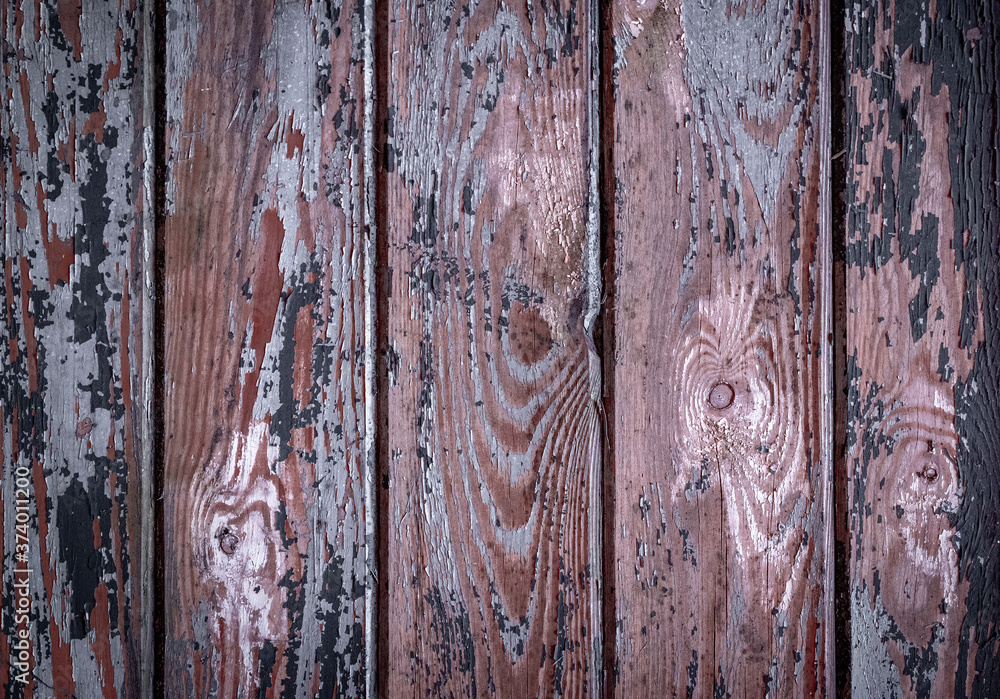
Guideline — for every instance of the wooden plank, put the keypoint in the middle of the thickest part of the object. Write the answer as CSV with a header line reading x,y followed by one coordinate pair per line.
x,y
721,352
493,429
74,372
923,334
264,314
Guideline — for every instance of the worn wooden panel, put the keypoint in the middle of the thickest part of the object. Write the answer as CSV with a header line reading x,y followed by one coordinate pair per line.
x,y
74,373
264,325
721,357
493,431
923,337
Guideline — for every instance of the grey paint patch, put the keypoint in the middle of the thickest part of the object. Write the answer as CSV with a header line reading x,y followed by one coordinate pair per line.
x,y
730,56
873,674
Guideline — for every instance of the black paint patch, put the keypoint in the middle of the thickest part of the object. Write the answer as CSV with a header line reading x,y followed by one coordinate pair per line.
x,y
944,370
75,520
266,657
340,664
921,252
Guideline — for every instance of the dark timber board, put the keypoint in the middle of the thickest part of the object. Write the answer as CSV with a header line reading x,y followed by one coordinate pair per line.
x,y
923,348
493,430
263,486
718,342
74,371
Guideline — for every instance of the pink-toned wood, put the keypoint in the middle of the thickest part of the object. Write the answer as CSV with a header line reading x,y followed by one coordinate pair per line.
x,y
718,344
921,350
493,429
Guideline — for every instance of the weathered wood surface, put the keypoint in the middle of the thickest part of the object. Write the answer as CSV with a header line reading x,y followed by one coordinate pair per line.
x,y
264,328
74,369
721,418
923,348
716,345
493,430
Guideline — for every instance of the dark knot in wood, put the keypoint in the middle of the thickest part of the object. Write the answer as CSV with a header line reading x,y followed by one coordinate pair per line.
x,y
722,396
228,542
929,472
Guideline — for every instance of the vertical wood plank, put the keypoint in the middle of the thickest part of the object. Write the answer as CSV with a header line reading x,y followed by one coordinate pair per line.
x,y
265,386
923,348
721,358
493,429
73,381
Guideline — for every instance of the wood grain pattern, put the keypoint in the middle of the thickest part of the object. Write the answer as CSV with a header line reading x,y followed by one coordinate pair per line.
x,y
264,424
721,354
493,429
73,382
922,349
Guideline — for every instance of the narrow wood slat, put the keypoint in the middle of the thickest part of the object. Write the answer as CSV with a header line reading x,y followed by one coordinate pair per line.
x,y
74,384
493,431
264,324
721,353
923,348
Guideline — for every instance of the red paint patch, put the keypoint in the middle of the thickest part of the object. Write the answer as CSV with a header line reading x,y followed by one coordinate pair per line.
x,y
302,371
296,139
33,144
9,289
95,123
30,340
59,254
115,66
100,625
69,22
267,285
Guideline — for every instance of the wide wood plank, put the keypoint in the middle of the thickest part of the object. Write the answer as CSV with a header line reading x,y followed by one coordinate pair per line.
x,y
492,424
923,348
264,324
74,370
717,341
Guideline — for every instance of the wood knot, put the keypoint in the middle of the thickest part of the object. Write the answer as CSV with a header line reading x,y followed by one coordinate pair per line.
x,y
529,334
84,427
722,396
929,472
228,541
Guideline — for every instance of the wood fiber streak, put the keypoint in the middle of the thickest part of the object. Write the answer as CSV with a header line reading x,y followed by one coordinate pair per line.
x,y
722,356
493,427
923,348
264,314
72,387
